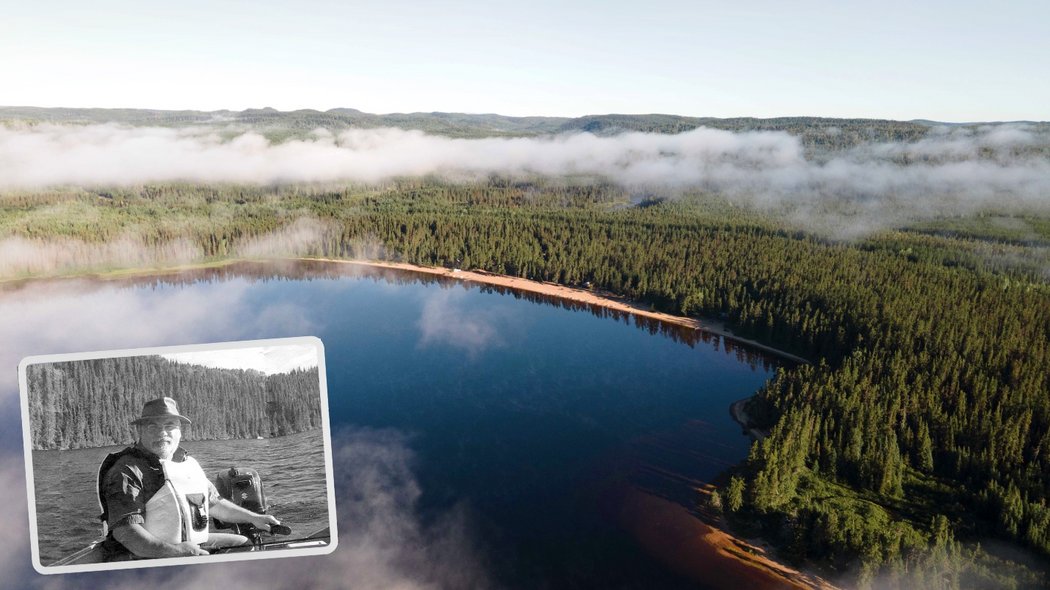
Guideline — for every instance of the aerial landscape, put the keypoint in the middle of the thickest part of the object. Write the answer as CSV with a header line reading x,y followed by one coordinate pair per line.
x,y
791,332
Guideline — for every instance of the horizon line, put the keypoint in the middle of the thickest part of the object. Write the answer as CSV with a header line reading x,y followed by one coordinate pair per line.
x,y
496,114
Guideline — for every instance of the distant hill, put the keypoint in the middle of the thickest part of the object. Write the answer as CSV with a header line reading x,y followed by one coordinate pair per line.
x,y
449,124
815,132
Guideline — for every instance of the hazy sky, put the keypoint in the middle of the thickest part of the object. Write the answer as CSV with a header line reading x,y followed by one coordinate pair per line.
x,y
267,359
952,61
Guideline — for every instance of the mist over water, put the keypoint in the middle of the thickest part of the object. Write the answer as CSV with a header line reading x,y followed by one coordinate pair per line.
x,y
383,544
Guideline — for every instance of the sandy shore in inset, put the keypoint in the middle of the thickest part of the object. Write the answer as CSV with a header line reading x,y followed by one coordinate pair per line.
x,y
607,300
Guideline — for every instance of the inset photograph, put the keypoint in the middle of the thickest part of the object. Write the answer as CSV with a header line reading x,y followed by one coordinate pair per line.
x,y
178,455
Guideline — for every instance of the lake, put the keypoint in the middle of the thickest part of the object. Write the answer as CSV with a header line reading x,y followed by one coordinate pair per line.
x,y
291,468
525,415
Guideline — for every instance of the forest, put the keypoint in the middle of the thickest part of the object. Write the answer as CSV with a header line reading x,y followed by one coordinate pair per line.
x,y
815,133
916,439
91,403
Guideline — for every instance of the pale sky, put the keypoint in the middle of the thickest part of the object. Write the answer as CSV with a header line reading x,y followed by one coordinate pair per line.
x,y
267,359
942,60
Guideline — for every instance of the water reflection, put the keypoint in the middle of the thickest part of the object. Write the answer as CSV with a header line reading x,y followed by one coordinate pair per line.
x,y
524,418
250,273
447,319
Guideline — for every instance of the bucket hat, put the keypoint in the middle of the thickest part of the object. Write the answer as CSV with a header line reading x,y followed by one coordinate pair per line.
x,y
162,407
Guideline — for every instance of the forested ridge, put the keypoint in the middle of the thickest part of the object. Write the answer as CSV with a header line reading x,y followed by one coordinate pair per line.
x,y
923,422
91,403
815,133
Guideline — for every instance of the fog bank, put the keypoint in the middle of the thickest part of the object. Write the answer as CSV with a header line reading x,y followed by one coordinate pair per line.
x,y
980,162
952,171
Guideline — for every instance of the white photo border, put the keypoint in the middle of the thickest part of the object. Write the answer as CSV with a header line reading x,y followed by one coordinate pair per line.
x,y
27,446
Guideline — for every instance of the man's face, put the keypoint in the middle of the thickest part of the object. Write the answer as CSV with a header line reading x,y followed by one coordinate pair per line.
x,y
161,436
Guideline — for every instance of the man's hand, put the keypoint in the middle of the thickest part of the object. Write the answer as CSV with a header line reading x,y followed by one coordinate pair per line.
x,y
229,512
143,544
263,521
187,549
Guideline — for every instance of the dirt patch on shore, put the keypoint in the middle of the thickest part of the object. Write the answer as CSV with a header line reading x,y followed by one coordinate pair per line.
x,y
738,410
701,552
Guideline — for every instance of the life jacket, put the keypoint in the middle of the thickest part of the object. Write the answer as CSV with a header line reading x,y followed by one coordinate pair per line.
x,y
178,511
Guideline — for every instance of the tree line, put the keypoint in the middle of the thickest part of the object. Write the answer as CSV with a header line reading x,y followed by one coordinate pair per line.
x,y
91,403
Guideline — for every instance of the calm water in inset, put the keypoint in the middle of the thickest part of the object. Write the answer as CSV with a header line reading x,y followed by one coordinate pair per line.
x,y
523,412
291,468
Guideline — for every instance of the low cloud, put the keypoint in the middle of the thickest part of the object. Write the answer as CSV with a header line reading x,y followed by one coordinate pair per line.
x,y
53,317
300,238
47,155
951,171
25,257
52,256
14,535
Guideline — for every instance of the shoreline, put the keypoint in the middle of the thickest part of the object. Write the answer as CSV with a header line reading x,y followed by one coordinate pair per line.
x,y
600,298
606,300
704,550
118,273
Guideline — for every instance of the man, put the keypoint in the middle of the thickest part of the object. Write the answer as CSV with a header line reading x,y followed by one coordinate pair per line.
x,y
156,499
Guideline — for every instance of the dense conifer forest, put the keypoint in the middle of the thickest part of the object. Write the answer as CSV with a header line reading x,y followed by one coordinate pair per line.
x,y
91,403
920,428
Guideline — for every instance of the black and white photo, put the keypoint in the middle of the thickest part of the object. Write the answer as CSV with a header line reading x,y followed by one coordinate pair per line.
x,y
177,455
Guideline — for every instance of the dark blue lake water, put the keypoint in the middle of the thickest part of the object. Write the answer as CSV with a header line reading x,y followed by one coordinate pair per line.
x,y
523,413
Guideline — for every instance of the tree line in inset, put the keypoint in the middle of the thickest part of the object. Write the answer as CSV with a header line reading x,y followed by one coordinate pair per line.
x,y
91,403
